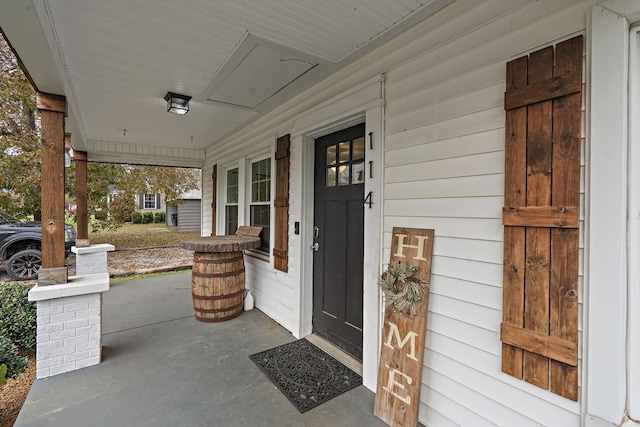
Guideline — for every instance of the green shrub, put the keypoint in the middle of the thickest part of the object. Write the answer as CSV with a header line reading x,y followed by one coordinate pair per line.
x,y
136,217
17,315
158,217
147,217
3,377
9,356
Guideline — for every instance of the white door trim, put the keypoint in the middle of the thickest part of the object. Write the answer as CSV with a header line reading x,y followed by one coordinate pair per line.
x,y
363,103
633,322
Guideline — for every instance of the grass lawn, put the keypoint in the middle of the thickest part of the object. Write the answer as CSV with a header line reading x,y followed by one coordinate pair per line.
x,y
136,236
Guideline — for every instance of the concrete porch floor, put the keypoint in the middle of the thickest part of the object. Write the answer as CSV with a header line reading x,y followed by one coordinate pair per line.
x,y
162,367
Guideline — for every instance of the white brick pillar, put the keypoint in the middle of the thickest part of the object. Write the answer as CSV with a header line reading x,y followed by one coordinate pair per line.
x,y
69,324
92,259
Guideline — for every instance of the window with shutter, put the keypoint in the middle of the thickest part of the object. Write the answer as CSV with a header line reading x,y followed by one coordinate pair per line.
x,y
281,204
151,201
539,328
260,206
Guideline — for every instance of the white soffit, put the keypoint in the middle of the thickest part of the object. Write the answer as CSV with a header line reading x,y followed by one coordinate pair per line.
x,y
257,70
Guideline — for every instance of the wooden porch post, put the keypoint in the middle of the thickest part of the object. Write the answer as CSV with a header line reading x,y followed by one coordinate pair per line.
x,y
52,112
82,217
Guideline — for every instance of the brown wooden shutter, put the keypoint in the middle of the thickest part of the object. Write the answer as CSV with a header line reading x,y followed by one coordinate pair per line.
x,y
281,203
214,197
539,327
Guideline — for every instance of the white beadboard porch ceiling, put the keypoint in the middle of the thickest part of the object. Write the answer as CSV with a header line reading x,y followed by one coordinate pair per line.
x,y
115,60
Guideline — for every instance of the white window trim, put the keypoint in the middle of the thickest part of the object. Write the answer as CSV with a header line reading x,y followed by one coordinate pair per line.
x,y
221,202
224,196
265,256
155,201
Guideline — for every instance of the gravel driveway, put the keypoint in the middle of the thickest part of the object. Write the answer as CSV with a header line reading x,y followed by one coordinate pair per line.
x,y
134,261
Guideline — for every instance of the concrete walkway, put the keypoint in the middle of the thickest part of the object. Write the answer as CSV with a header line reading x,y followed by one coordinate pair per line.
x,y
161,367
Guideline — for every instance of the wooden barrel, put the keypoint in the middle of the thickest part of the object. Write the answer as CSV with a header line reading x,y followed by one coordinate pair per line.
x,y
217,285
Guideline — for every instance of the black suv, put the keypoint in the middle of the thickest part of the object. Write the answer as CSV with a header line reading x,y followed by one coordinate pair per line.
x,y
21,246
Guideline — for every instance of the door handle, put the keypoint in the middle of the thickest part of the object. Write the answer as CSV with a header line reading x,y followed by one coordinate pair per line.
x,y
315,246
316,231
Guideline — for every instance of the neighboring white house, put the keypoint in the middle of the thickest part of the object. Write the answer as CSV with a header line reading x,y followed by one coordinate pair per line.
x,y
415,134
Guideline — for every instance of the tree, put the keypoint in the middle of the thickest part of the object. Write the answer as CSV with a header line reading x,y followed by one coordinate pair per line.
x,y
110,186
19,139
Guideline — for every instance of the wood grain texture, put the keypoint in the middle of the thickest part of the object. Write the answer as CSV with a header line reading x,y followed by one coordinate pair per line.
x,y
545,90
402,353
541,344
514,237
564,243
281,205
249,230
542,216
548,332
82,217
217,285
51,102
52,152
221,243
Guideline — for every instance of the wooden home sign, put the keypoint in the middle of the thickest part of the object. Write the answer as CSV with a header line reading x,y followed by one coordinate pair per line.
x,y
403,336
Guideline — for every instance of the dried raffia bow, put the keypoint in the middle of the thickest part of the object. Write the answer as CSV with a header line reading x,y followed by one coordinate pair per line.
x,y
403,291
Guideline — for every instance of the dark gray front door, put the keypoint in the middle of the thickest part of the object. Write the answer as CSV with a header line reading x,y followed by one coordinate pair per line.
x,y
339,238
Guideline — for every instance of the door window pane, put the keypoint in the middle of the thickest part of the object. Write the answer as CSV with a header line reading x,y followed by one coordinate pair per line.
x,y
331,177
358,149
330,158
357,173
343,150
349,167
343,175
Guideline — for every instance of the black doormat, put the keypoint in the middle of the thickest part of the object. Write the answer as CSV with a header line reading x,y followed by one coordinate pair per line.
x,y
305,374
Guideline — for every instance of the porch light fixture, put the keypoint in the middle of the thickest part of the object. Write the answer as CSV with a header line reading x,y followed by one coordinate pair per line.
x,y
177,103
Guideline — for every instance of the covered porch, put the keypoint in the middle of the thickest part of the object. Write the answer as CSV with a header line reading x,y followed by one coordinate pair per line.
x,y
163,367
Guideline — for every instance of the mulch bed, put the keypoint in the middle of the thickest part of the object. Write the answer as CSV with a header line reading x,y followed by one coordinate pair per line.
x,y
14,393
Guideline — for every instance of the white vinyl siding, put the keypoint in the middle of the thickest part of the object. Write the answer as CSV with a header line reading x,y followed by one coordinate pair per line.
x,y
189,213
443,169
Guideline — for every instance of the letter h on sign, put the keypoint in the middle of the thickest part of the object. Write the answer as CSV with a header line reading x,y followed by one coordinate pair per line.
x,y
419,247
